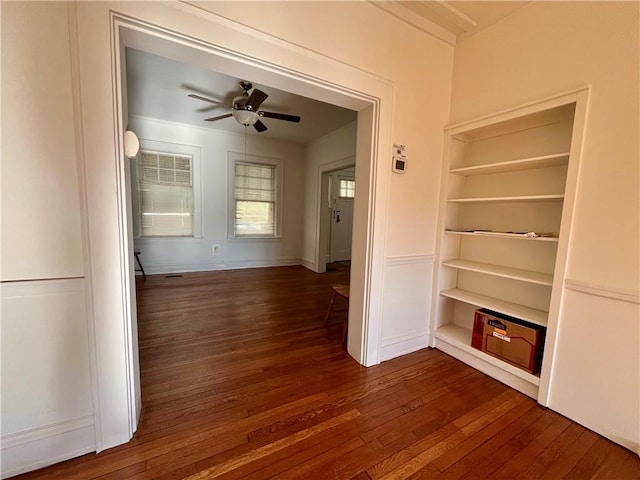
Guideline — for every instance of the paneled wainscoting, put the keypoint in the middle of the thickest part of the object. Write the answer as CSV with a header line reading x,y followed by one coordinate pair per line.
x,y
242,379
47,408
405,311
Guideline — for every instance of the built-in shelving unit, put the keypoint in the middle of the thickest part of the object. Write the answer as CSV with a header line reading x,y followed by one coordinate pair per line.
x,y
532,315
513,198
456,335
514,165
500,271
507,178
504,235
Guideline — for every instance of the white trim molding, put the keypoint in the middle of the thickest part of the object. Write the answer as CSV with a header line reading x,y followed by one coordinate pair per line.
x,y
406,310
223,265
410,259
404,344
620,294
42,446
421,23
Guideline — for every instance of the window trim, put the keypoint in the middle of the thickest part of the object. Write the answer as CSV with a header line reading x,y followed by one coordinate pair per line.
x,y
170,148
232,158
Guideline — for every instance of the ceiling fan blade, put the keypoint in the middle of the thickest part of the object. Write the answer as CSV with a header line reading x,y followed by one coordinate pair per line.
x,y
255,99
259,126
205,99
280,116
219,117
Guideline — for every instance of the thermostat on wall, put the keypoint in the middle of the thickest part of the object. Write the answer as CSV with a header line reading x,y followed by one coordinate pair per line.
x,y
399,159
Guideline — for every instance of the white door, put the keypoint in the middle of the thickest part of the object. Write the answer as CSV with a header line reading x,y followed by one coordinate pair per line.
x,y
341,217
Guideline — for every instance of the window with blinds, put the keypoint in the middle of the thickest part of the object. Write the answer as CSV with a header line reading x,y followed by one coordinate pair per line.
x,y
165,192
255,187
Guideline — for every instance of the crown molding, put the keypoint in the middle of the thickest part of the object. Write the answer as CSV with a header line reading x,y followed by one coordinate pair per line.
x,y
421,23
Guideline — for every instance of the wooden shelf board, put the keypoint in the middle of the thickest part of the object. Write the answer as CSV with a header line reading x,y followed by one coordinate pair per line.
x,y
516,198
460,338
515,165
532,315
500,271
502,235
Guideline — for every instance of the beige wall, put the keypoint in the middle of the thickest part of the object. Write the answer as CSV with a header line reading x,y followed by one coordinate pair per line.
x,y
47,402
40,197
335,149
543,49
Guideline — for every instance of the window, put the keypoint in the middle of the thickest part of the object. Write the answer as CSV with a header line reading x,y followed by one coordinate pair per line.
x,y
347,188
255,197
255,187
165,194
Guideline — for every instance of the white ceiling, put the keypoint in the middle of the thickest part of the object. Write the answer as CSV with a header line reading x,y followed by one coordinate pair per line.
x,y
158,87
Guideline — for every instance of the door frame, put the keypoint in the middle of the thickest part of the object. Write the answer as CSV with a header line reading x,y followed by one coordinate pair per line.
x,y
181,29
321,229
335,185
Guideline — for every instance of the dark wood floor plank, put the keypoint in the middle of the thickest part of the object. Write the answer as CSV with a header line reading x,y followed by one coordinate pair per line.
x,y
484,452
411,460
540,463
304,457
516,444
473,441
242,380
594,460
218,470
515,463
570,456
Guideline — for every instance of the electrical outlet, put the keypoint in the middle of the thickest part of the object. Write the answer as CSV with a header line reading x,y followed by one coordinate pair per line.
x,y
216,249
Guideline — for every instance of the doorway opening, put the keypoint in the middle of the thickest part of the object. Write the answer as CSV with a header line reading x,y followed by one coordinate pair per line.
x,y
338,191
342,85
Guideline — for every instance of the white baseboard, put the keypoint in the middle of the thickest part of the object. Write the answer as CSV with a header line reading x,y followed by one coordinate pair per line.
x,y
398,346
38,447
488,366
230,265
309,265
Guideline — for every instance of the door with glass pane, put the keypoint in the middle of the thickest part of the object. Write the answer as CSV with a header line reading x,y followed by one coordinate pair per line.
x,y
342,195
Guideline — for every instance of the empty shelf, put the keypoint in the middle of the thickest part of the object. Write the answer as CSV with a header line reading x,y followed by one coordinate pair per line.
x,y
532,315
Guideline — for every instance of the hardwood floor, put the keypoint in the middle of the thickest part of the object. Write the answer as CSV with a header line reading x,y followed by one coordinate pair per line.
x,y
241,379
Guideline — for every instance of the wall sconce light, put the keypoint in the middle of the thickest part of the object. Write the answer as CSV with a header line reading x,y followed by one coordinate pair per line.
x,y
131,144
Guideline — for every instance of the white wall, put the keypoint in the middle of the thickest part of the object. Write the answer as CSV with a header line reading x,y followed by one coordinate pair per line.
x,y
546,48
40,199
334,150
163,255
47,405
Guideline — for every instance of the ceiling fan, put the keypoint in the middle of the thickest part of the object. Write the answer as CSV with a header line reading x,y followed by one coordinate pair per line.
x,y
246,108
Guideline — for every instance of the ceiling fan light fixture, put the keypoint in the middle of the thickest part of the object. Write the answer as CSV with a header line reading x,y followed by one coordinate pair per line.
x,y
245,117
